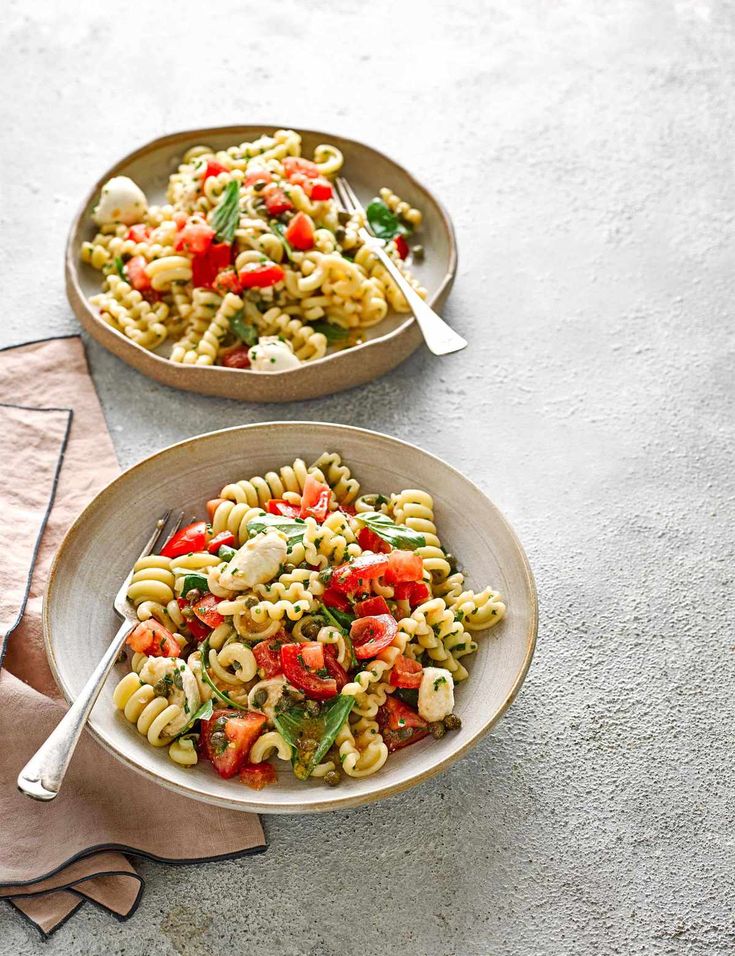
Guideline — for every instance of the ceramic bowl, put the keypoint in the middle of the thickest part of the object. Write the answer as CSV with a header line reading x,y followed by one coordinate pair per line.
x,y
100,547
389,343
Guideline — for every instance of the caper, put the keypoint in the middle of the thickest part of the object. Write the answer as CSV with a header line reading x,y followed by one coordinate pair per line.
x,y
437,729
452,562
343,217
340,234
417,252
452,722
312,708
311,629
259,185
193,594
260,697
332,778
308,745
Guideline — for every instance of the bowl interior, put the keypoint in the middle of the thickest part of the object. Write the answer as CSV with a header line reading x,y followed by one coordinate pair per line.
x,y
99,549
366,168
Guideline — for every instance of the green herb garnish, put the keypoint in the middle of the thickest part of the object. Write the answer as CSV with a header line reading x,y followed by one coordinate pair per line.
x,y
245,332
226,216
194,581
120,267
334,334
384,222
397,535
293,528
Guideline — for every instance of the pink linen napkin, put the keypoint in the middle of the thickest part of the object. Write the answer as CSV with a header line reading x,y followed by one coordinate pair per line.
x,y
55,856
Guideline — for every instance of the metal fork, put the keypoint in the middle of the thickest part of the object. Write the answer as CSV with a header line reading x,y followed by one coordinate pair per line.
x,y
440,338
42,776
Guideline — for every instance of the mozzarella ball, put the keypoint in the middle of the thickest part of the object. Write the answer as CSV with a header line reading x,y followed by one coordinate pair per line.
x,y
121,200
272,354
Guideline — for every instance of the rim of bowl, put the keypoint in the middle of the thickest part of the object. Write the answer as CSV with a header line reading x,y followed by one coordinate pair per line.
x,y
336,802
72,264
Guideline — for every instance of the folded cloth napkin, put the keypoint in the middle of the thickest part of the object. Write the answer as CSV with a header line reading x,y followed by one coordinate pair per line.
x,y
54,856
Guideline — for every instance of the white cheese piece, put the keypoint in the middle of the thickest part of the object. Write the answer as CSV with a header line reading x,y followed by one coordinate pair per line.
x,y
272,354
180,688
436,693
121,200
257,562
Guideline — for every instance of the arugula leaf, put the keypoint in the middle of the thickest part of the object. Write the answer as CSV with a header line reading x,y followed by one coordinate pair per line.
x,y
280,230
397,535
334,334
204,713
383,221
216,692
293,528
295,723
226,216
120,267
245,332
192,581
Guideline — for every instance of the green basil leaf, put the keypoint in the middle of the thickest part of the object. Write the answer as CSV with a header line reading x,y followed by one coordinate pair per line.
x,y
409,695
397,535
291,723
246,333
226,553
226,216
192,581
293,528
383,221
203,713
334,334
120,267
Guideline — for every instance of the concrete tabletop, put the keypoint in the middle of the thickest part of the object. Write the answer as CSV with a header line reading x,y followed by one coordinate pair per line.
x,y
584,149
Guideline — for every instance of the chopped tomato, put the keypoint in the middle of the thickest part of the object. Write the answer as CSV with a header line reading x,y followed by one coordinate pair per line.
x,y
257,176
258,775
404,566
373,605
277,202
227,281
406,673
181,219
348,509
312,653
295,164
278,506
297,671
334,668
268,656
206,266
206,610
370,635
213,169
136,274
351,577
415,592
227,737
153,639
139,232
300,232
195,238
239,357
370,541
194,537
226,538
212,506
197,630
315,499
321,190
260,276
400,725
401,246
332,598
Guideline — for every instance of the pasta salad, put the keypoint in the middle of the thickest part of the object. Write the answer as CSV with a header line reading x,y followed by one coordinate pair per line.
x,y
250,263
302,620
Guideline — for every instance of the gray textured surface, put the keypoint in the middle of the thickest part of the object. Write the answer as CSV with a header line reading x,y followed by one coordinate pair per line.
x,y
585,151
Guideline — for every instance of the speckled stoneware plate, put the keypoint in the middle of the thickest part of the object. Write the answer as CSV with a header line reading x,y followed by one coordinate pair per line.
x,y
388,343
97,552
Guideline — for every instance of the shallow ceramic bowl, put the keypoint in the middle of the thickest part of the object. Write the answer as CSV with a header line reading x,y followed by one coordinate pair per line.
x,y
99,549
388,344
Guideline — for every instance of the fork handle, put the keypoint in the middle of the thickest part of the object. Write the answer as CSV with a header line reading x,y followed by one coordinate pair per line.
x,y
42,776
439,337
